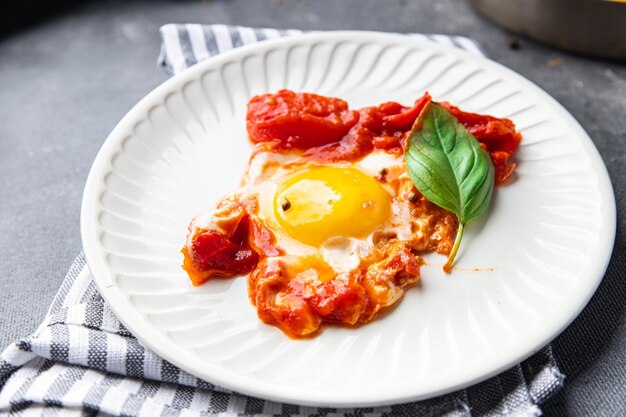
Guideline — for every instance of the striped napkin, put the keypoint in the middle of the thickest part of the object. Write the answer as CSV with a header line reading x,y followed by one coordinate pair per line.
x,y
83,361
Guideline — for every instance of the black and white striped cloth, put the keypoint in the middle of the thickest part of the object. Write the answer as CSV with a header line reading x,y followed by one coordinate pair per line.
x,y
82,361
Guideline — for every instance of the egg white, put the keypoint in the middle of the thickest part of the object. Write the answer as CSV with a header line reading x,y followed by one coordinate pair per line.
x,y
267,171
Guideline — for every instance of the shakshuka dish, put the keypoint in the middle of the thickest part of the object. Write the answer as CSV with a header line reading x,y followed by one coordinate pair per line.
x,y
327,224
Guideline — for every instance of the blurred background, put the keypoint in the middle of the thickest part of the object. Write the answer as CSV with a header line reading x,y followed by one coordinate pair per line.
x,y
70,70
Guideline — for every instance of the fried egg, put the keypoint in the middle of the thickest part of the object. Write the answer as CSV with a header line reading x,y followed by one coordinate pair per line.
x,y
347,236
312,208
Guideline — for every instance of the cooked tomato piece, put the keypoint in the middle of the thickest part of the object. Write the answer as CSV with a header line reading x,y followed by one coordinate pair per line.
x,y
382,127
401,118
214,254
354,146
230,244
299,121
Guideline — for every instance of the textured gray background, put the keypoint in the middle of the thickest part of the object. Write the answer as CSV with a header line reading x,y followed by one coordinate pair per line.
x,y
66,82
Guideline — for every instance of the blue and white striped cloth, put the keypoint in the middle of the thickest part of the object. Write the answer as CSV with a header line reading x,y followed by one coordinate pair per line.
x,y
82,361
185,45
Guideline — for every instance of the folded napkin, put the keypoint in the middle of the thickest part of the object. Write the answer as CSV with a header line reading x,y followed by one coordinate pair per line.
x,y
82,360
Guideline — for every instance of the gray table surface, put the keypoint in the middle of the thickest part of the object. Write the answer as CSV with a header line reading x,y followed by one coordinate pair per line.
x,y
65,83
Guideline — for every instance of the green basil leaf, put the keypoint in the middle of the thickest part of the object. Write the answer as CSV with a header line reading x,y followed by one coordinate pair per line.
x,y
449,167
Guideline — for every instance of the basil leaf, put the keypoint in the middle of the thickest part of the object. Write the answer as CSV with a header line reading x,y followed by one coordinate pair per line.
x,y
449,167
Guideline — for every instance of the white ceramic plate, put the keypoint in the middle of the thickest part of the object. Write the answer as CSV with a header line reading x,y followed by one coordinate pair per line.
x,y
525,270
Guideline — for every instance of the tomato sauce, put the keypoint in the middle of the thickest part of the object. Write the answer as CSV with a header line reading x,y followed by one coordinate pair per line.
x,y
326,130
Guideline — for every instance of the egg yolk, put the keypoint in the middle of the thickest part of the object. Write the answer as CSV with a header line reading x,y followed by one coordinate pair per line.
x,y
330,201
